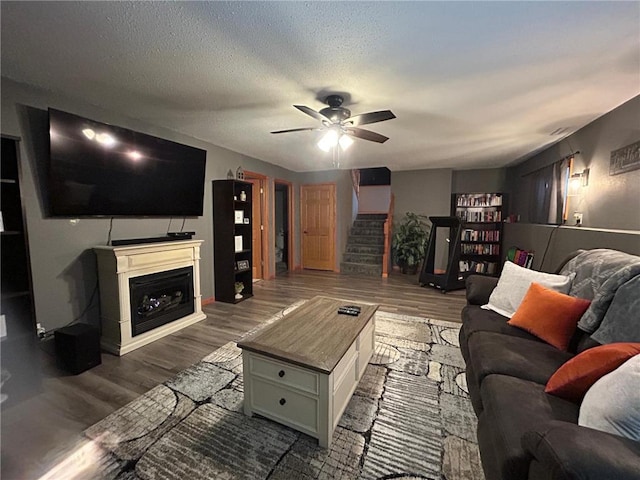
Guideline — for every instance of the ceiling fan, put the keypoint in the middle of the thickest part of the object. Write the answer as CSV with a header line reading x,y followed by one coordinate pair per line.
x,y
340,125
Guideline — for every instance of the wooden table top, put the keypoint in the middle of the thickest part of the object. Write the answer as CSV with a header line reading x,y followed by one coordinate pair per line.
x,y
313,336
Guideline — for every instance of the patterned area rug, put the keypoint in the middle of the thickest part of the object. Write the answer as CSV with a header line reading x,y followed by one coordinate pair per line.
x,y
409,418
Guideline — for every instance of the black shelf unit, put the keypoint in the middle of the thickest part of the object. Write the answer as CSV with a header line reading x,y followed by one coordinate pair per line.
x,y
450,278
19,342
481,234
232,239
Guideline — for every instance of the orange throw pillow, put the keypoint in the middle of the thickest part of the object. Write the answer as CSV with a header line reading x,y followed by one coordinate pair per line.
x,y
572,380
549,315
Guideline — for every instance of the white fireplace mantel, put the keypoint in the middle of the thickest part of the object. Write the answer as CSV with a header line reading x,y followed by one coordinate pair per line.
x,y
116,265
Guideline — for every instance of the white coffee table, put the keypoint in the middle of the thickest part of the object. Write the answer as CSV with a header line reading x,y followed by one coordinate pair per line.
x,y
302,369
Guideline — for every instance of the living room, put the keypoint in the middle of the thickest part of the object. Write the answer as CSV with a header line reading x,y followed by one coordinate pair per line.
x,y
63,265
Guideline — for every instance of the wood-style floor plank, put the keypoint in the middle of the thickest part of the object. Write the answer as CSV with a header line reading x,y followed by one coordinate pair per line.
x,y
40,431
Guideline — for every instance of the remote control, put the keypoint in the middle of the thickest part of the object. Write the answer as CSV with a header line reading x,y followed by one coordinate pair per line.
x,y
349,310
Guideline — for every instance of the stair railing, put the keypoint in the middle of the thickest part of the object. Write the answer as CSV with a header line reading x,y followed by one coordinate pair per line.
x,y
388,227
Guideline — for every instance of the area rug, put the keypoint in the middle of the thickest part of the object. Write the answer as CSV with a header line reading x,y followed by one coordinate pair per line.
x,y
409,418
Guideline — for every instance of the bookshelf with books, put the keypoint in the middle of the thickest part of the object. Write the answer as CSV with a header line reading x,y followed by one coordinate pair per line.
x,y
481,233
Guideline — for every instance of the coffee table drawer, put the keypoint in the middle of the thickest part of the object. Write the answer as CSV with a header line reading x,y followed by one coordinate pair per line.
x,y
286,406
284,374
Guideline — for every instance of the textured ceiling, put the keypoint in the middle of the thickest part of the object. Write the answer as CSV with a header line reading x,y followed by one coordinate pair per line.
x,y
478,84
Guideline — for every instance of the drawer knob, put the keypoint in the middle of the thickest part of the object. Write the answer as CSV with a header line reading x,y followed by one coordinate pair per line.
x,y
281,373
282,401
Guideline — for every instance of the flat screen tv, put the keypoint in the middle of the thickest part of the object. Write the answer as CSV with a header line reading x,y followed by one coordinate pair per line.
x,y
97,169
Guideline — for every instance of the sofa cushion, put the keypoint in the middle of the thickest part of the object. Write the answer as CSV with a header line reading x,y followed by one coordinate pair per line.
x,y
513,406
478,288
563,450
476,319
495,353
549,315
572,380
612,404
514,282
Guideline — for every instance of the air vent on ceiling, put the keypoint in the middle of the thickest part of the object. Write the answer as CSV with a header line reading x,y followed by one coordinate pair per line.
x,y
560,131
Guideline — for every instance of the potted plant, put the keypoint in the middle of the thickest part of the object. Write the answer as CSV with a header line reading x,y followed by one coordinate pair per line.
x,y
409,242
239,286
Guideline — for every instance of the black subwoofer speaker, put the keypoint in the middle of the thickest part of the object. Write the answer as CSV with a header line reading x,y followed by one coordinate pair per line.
x,y
78,347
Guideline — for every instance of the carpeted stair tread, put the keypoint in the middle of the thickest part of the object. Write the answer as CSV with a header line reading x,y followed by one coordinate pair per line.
x,y
373,259
365,249
360,269
365,246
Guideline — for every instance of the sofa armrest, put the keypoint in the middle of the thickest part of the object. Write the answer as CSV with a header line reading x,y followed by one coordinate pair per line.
x,y
479,288
568,451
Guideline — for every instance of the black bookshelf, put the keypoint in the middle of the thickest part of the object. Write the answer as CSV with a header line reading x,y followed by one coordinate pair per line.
x,y
232,239
481,234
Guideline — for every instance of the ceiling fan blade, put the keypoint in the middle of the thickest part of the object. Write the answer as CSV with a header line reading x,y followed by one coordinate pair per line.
x,y
371,117
294,130
366,134
312,113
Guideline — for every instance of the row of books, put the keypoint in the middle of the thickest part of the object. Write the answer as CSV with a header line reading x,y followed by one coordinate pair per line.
x,y
470,235
479,215
478,267
480,248
520,257
479,200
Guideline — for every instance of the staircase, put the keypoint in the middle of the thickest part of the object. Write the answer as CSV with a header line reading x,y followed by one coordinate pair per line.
x,y
365,246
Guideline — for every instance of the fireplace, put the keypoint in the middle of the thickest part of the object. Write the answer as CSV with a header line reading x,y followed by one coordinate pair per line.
x,y
159,298
147,291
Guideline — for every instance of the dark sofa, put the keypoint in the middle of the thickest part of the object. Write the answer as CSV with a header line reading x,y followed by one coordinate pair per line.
x,y
523,432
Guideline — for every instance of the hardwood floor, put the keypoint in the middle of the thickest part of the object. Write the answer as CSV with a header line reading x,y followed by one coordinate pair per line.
x,y
41,431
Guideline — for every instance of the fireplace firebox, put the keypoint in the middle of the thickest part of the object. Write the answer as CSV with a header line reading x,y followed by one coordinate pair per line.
x,y
160,298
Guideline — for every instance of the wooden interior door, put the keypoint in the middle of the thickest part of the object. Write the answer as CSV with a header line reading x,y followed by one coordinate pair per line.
x,y
257,226
318,224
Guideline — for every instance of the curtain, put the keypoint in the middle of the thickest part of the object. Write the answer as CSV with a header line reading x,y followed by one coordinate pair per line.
x,y
548,193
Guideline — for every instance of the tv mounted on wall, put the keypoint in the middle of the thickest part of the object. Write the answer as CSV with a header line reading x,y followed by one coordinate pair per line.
x,y
97,169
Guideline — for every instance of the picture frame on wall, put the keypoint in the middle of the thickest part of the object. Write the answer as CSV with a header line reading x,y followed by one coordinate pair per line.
x,y
625,159
243,265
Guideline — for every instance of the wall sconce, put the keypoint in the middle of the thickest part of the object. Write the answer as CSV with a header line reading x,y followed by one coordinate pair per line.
x,y
578,182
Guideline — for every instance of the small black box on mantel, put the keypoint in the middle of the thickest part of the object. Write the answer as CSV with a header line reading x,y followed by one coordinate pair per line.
x,y
78,347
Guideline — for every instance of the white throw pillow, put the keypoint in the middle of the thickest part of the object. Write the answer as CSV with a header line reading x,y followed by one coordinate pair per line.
x,y
612,404
514,283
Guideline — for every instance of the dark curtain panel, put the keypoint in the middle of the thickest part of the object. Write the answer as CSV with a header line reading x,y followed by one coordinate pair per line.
x,y
548,191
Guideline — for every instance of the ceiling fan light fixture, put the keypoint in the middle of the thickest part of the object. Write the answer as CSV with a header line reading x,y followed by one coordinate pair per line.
x,y
345,141
328,140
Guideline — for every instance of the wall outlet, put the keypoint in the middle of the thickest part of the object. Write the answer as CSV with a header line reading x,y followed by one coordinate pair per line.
x,y
40,330
577,216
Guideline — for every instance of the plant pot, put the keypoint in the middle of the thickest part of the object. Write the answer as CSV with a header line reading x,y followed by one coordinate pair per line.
x,y
409,269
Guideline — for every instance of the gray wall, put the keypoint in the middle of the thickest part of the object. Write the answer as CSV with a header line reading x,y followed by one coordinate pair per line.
x,y
609,201
426,192
479,180
565,239
62,260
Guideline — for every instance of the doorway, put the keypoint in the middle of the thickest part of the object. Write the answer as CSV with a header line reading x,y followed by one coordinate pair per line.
x,y
259,222
283,229
318,225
